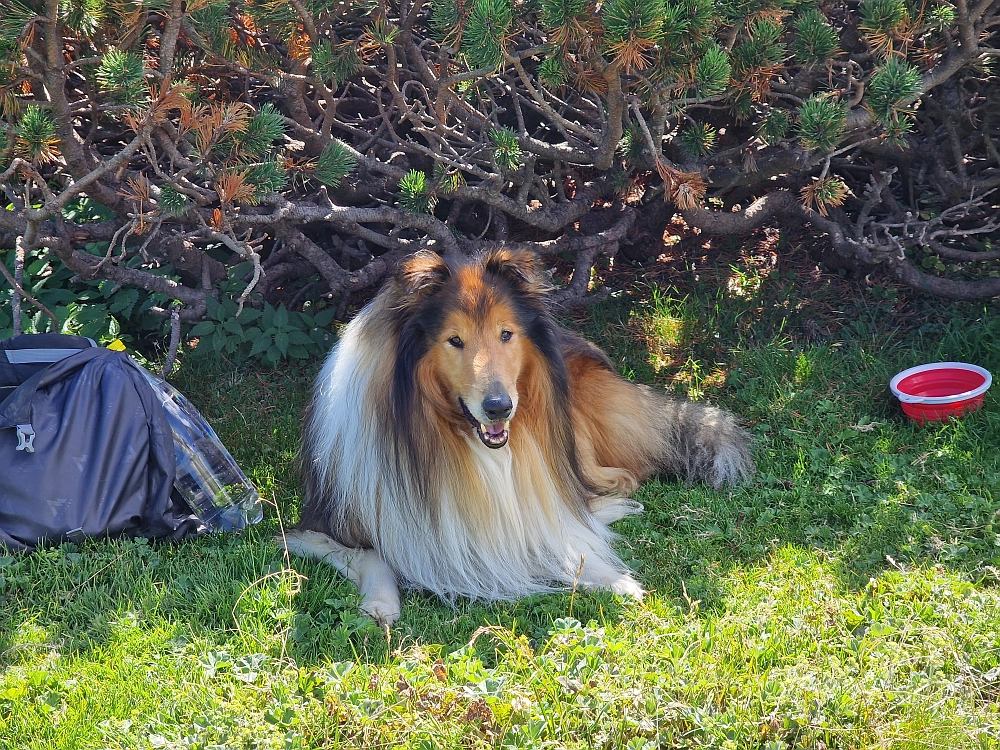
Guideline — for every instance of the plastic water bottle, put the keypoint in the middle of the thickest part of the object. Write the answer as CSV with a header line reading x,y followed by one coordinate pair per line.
x,y
207,477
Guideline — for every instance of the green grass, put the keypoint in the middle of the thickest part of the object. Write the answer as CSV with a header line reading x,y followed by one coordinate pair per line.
x,y
846,598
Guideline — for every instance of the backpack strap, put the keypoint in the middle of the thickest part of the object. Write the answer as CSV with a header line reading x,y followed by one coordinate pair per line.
x,y
23,356
29,348
37,356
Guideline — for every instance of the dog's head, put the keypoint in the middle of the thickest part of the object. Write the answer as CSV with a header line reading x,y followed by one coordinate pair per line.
x,y
468,335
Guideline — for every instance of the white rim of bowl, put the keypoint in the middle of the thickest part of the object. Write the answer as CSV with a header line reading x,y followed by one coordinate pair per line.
x,y
906,398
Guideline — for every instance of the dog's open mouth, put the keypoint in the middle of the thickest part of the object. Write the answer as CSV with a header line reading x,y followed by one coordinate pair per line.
x,y
493,435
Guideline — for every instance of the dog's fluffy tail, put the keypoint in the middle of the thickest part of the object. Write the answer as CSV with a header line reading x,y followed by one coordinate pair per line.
x,y
632,427
699,442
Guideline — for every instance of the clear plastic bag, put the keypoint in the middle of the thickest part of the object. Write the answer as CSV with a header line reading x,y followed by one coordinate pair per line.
x,y
207,477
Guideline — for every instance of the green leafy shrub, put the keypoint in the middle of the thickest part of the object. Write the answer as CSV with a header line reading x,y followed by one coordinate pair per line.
x,y
816,40
205,129
335,164
415,193
271,334
822,122
506,150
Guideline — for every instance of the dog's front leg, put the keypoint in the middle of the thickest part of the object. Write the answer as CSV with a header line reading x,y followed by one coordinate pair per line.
x,y
365,568
377,584
607,510
596,572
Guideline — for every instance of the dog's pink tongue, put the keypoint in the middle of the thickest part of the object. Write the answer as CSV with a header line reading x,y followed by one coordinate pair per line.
x,y
495,430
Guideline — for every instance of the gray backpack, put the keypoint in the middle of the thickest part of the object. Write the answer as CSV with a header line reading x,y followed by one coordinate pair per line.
x,y
92,445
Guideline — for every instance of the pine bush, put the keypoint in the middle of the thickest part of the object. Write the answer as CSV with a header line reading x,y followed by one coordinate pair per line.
x,y
266,153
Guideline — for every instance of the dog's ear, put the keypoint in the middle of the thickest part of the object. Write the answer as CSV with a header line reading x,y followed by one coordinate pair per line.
x,y
519,266
421,273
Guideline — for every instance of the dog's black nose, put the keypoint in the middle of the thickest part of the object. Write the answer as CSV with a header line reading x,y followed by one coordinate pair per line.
x,y
497,407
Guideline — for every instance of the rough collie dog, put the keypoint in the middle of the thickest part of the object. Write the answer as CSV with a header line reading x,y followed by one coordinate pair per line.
x,y
460,441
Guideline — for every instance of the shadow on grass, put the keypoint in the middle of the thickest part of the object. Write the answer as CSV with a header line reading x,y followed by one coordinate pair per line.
x,y
840,473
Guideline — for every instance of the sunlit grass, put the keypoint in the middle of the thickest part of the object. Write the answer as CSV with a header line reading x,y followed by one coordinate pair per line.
x,y
846,598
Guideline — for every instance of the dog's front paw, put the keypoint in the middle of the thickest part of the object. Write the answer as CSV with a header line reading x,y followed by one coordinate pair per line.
x,y
383,606
626,585
607,510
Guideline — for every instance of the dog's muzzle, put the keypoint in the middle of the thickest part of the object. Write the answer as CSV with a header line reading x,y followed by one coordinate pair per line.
x,y
497,408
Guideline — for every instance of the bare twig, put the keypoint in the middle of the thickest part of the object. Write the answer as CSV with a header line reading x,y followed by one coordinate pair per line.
x,y
175,339
16,283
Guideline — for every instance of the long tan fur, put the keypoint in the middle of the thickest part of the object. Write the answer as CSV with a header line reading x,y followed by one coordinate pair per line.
x,y
461,442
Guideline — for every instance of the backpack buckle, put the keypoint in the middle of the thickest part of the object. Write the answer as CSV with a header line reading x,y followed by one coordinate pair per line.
x,y
25,438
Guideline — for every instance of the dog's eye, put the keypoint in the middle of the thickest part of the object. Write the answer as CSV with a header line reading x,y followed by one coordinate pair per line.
x,y
456,342
505,335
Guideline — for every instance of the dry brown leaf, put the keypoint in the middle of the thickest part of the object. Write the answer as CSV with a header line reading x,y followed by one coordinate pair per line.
x,y
232,117
232,187
632,55
299,43
135,119
589,79
218,220
138,192
167,99
690,191
829,191
440,671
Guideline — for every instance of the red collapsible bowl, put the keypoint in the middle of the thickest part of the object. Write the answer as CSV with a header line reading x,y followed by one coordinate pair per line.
x,y
940,390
